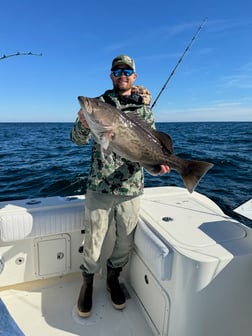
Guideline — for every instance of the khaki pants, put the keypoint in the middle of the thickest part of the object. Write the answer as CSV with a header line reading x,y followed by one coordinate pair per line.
x,y
100,211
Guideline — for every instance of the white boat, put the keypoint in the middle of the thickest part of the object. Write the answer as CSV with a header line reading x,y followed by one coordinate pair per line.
x,y
190,273
245,209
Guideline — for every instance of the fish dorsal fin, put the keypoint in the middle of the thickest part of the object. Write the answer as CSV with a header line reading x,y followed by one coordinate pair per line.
x,y
165,140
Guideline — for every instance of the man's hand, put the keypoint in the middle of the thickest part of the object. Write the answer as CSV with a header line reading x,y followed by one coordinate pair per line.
x,y
82,119
164,169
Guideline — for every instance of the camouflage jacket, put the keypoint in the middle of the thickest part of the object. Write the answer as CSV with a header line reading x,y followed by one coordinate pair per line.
x,y
111,173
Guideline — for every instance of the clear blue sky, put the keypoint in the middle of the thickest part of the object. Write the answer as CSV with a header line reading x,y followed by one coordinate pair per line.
x,y
79,38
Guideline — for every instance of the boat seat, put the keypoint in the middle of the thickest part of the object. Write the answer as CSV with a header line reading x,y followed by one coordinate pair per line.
x,y
55,215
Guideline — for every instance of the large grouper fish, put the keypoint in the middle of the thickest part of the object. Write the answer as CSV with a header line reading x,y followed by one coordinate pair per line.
x,y
132,138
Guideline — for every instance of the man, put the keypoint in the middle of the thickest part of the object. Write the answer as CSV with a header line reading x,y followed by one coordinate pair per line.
x,y
114,188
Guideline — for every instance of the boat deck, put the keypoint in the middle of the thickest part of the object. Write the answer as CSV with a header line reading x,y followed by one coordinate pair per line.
x,y
48,307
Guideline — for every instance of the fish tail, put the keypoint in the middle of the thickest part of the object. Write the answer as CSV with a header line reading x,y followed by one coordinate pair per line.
x,y
193,171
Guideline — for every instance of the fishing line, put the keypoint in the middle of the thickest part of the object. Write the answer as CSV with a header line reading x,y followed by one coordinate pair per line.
x,y
179,61
58,191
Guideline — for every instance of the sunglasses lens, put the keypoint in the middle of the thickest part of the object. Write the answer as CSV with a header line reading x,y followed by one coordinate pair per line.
x,y
127,72
118,72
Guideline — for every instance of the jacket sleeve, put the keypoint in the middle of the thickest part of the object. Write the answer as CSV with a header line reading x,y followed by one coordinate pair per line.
x,y
149,117
79,134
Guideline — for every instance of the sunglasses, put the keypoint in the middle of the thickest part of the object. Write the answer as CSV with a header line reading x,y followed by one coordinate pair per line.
x,y
119,72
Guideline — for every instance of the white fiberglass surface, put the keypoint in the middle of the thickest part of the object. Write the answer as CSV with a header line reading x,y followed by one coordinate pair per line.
x,y
51,310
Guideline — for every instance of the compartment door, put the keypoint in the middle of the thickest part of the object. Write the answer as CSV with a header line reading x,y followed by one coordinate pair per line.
x,y
153,298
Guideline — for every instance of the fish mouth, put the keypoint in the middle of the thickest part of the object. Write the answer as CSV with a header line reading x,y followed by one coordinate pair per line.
x,y
81,100
85,103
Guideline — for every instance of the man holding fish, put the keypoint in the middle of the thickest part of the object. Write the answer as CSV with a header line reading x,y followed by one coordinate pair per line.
x,y
114,187
125,142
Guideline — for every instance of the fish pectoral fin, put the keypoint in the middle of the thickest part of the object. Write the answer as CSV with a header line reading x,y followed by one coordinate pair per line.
x,y
152,170
105,138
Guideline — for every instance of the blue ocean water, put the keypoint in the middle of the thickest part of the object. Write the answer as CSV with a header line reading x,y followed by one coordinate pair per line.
x,y
39,160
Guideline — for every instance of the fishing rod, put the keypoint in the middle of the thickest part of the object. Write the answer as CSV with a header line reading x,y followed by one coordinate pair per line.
x,y
20,54
179,61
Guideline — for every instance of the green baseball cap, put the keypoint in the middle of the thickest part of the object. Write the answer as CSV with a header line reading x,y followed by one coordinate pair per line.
x,y
123,59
